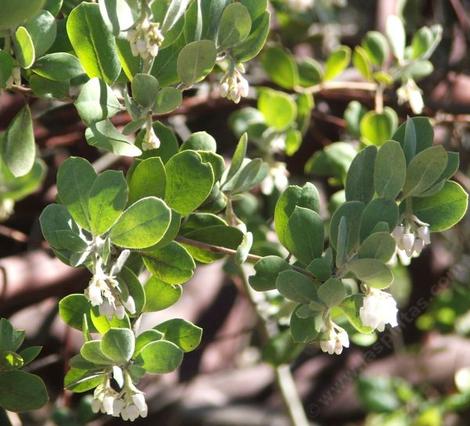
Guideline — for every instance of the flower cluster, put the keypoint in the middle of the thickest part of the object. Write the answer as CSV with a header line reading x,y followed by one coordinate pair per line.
x,y
411,93
378,309
411,237
129,403
145,39
103,290
233,85
276,178
336,339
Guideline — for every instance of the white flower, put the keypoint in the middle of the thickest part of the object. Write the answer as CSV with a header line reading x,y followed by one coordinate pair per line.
x,y
151,140
103,290
411,238
276,178
411,93
337,339
234,86
300,5
378,309
145,39
129,403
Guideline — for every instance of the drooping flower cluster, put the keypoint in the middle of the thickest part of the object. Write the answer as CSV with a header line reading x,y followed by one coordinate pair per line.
x,y
129,403
411,93
103,290
378,309
411,237
336,339
276,178
233,85
145,39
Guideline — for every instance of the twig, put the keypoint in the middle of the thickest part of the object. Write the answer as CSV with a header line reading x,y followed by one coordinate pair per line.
x,y
339,85
284,380
13,234
252,258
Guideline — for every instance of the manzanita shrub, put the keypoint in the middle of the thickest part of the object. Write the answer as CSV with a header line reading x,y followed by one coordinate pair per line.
x,y
142,234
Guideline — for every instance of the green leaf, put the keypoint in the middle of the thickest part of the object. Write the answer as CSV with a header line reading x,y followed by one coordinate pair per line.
x,y
255,7
185,192
145,89
105,136
332,292
444,209
160,357
250,48
73,308
200,141
58,66
149,170
182,333
266,271
96,102
93,43
160,295
10,339
337,62
92,352
118,344
21,391
372,271
251,174
424,170
117,15
168,99
310,72
305,234
218,235
278,108
362,63
30,354
296,286
17,144
352,212
360,178
196,60
74,180
238,156
6,68
142,225
378,210
376,46
24,48
293,196
143,339
103,324
390,170
379,245
60,230
235,25
15,12
396,36
78,380
281,67
415,138
43,30
303,329
171,263
106,201
376,128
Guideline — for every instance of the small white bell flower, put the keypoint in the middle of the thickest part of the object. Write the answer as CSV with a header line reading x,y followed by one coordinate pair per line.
x,y
337,339
378,309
